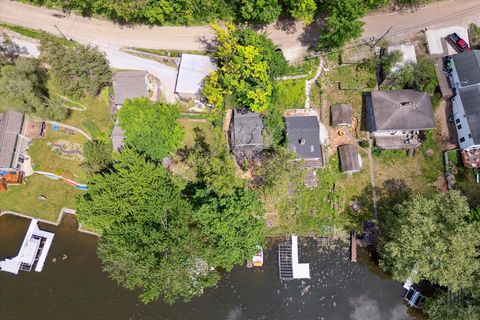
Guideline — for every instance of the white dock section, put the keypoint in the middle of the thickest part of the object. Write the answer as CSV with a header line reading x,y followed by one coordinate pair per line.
x,y
300,270
34,249
288,265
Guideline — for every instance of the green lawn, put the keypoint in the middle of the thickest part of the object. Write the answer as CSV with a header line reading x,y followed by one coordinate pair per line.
x,y
24,198
95,120
45,159
32,33
189,125
290,94
346,84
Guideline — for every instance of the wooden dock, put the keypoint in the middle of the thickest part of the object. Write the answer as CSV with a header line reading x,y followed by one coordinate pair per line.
x,y
353,246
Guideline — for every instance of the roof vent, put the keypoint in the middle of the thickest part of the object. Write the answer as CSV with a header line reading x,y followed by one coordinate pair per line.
x,y
301,141
407,104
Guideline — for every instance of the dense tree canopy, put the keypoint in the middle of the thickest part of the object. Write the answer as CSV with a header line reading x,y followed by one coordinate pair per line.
x,y
343,22
151,128
23,88
77,69
419,76
146,242
98,156
260,11
247,64
432,235
162,238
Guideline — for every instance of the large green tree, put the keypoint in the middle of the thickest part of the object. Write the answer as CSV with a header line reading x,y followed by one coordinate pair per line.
x,y
432,236
151,128
343,22
78,70
247,64
144,223
23,88
303,10
419,76
231,224
163,239
260,11
98,156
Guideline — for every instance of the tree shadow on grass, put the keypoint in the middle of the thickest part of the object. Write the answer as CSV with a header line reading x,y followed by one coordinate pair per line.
x,y
390,193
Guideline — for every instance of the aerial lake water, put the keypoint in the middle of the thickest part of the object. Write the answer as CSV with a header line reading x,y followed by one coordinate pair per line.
x,y
75,288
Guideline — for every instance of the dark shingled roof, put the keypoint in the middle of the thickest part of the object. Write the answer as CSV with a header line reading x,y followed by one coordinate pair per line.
x,y
341,114
471,103
468,67
349,158
129,85
303,133
399,110
246,134
11,123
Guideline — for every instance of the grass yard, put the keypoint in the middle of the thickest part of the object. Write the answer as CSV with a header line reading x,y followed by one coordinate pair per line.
x,y
95,119
346,83
322,209
44,158
24,198
189,125
290,94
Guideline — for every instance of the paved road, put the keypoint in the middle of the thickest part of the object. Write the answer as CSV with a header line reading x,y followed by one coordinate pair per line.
x,y
441,14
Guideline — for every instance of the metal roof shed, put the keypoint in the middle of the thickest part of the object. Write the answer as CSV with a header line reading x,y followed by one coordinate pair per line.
x,y
193,69
342,115
349,158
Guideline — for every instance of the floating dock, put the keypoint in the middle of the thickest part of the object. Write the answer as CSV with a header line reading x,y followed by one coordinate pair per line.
x,y
33,252
289,267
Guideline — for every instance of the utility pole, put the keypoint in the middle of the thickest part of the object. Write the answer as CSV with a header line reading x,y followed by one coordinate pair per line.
x,y
68,39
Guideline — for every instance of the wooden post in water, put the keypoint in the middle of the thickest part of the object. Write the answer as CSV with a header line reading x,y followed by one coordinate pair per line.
x,y
353,246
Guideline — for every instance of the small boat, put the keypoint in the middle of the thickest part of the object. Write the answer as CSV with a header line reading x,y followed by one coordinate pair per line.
x,y
257,260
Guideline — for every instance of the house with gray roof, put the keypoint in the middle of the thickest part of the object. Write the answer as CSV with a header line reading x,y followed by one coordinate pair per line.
x,y
349,158
192,71
303,135
129,84
464,77
245,133
13,142
395,118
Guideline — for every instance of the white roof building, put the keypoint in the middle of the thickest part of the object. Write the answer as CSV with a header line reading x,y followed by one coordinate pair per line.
x,y
408,55
193,69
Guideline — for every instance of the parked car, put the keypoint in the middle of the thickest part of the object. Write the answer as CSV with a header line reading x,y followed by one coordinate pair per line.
x,y
457,43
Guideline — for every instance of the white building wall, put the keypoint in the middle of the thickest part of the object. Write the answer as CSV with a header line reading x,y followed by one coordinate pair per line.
x,y
464,137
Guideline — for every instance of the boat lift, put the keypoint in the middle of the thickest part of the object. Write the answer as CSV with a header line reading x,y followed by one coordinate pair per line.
x,y
34,251
289,267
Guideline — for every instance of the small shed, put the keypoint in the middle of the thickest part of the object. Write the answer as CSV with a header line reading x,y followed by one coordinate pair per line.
x,y
191,73
341,115
349,158
246,135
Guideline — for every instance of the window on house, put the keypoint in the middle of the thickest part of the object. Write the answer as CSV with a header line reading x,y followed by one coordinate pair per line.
x,y
469,136
459,126
462,139
457,120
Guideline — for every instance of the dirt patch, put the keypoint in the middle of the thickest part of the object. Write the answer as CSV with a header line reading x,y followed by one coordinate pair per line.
x,y
442,184
447,134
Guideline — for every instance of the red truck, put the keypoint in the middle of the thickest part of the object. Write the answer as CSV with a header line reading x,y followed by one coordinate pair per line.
x,y
458,43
